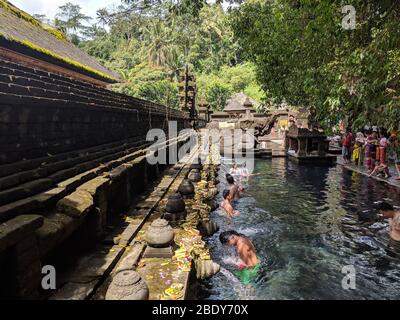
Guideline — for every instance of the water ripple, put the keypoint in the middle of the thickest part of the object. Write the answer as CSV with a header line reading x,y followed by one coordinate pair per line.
x,y
306,224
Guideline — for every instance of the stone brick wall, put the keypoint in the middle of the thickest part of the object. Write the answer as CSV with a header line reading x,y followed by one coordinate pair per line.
x,y
72,157
44,114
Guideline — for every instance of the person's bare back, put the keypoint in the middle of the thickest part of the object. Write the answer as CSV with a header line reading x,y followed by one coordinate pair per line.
x,y
227,206
234,189
244,248
247,252
386,211
394,224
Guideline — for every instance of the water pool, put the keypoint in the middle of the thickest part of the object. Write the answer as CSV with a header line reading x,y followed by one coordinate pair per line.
x,y
306,224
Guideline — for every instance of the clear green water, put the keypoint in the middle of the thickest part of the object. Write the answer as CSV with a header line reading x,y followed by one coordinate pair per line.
x,y
306,224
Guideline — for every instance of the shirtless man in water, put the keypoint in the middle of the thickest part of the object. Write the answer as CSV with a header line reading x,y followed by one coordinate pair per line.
x,y
226,204
387,211
233,187
244,247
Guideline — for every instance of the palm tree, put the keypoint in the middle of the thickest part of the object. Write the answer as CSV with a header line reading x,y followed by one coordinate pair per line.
x,y
158,42
175,62
71,20
103,16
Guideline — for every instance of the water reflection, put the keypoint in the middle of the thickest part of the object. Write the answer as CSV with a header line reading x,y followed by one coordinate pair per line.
x,y
307,223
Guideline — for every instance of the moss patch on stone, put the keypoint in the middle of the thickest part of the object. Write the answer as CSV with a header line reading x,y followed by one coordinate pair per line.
x,y
73,63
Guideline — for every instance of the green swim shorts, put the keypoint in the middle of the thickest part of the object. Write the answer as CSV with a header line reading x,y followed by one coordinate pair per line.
x,y
248,274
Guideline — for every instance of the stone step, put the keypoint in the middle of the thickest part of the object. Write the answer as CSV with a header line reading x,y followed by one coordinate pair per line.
x,y
16,229
62,170
91,272
25,165
39,201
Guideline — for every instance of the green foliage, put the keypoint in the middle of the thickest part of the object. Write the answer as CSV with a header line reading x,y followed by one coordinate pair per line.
x,y
218,86
149,46
217,93
150,83
71,20
304,56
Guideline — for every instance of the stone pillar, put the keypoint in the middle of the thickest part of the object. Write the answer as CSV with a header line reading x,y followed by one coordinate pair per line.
x,y
321,148
290,143
302,147
286,141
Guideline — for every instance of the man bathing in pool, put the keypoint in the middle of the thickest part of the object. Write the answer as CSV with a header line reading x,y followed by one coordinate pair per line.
x,y
226,204
244,247
386,211
233,187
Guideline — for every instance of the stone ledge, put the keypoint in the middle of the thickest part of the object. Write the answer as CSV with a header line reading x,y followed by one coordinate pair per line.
x,y
55,229
76,204
17,228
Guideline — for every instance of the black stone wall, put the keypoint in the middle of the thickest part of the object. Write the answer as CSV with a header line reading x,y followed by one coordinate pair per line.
x,y
45,114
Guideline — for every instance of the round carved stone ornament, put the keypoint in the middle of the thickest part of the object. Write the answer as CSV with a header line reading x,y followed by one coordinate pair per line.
x,y
127,285
159,234
175,203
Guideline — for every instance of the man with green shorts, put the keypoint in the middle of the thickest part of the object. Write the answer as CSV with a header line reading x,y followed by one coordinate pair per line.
x,y
249,265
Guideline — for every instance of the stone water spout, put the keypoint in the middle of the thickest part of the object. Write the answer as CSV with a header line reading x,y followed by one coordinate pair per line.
x,y
206,268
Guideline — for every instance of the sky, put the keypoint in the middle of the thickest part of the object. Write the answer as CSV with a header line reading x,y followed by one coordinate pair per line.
x,y
50,7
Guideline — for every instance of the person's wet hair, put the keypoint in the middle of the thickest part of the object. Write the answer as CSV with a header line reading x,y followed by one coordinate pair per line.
x,y
384,206
225,236
230,179
225,193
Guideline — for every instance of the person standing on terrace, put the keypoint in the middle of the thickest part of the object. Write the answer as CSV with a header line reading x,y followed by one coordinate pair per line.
x,y
370,153
347,146
383,142
358,150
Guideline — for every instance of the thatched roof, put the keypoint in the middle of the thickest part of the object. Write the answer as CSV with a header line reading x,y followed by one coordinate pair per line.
x,y
20,31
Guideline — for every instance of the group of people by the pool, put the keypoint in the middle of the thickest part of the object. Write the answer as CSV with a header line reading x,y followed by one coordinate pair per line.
x,y
249,263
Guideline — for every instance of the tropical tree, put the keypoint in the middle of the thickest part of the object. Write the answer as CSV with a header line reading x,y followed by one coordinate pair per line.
x,y
103,16
157,47
305,56
71,20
